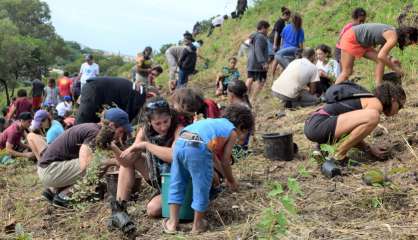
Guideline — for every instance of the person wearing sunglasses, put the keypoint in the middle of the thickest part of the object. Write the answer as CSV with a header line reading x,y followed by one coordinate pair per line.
x,y
151,155
355,117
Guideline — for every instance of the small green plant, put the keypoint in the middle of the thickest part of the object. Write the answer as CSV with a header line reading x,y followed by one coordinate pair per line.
x,y
377,202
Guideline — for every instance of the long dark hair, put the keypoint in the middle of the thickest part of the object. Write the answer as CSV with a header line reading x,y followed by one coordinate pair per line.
x,y
297,21
158,106
405,33
388,91
239,89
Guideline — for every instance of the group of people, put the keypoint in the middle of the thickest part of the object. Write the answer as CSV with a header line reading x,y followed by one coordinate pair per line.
x,y
188,135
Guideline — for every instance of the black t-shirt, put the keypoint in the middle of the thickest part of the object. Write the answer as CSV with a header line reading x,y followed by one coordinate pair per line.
x,y
67,146
109,91
37,88
278,27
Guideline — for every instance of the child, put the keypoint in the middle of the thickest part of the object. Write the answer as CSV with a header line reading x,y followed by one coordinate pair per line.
x,y
193,158
51,94
228,74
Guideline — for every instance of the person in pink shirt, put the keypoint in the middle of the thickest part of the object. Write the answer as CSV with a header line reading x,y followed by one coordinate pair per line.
x,y
357,17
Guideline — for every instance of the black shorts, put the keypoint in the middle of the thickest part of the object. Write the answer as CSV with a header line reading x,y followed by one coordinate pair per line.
x,y
257,76
320,128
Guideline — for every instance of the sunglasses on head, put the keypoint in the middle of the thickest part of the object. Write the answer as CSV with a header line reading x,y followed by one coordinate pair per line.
x,y
157,105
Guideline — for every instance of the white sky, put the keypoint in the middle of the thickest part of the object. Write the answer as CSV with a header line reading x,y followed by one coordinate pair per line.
x,y
127,26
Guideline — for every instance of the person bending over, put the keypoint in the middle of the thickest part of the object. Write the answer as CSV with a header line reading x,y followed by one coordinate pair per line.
x,y
11,138
357,117
361,41
193,158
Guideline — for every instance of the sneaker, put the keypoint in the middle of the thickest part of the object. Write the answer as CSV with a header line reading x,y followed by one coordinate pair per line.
x,y
48,195
61,200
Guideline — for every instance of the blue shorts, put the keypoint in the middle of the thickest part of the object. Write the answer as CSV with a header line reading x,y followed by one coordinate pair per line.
x,y
191,160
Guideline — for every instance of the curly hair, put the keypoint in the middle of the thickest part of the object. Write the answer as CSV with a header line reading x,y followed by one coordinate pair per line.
x,y
387,92
189,100
240,116
326,49
149,113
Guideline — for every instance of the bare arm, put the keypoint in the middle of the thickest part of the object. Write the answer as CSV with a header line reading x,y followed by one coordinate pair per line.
x,y
227,158
383,56
13,153
312,87
85,156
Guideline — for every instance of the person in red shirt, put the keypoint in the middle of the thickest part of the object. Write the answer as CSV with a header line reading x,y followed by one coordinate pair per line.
x,y
11,138
64,85
22,104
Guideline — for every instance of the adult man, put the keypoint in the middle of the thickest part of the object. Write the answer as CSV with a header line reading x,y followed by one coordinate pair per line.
x,y
64,85
258,55
66,159
241,8
217,22
172,56
109,91
290,87
187,61
37,92
88,70
11,138
22,104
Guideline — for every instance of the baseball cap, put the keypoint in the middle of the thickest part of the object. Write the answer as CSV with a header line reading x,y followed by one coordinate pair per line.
x,y
67,98
24,116
120,117
40,115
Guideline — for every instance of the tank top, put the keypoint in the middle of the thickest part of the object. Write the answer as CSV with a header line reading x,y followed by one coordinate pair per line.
x,y
341,107
371,34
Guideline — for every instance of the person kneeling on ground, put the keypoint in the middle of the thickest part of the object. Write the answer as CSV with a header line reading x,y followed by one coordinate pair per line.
x,y
228,74
151,155
193,158
65,160
11,138
290,87
355,116
64,107
43,126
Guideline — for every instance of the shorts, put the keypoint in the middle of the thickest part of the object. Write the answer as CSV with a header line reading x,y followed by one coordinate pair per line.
x,y
320,128
257,76
350,45
60,174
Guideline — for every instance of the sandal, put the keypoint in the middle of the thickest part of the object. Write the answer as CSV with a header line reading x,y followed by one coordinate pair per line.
x,y
165,229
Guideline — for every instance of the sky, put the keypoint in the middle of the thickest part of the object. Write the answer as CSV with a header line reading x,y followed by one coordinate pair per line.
x,y
127,26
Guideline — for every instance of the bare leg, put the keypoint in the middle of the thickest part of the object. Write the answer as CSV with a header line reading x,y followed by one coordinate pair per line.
x,y
347,63
249,84
198,223
37,144
127,175
258,86
173,222
154,207
358,124
274,67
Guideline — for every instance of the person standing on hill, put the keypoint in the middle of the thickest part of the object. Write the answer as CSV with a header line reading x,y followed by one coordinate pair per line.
x,y
88,70
361,41
276,33
358,16
172,56
242,6
64,85
257,63
187,61
143,66
293,37
37,91
51,94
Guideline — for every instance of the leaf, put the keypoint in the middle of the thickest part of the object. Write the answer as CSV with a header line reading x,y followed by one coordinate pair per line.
x,y
281,223
328,149
303,172
288,204
293,185
277,189
267,219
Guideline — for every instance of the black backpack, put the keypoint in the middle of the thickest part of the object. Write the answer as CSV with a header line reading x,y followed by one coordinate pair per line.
x,y
344,91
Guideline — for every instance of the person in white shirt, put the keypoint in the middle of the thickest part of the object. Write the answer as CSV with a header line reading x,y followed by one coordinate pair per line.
x,y
218,21
329,69
300,75
88,70
64,107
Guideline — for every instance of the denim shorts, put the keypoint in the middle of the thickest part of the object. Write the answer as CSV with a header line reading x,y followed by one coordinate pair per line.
x,y
191,159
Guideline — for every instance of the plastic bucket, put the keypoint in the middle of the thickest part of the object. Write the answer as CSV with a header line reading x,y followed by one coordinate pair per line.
x,y
112,185
279,146
186,211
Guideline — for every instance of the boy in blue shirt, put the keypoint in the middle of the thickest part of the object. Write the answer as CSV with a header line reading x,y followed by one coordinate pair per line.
x,y
193,156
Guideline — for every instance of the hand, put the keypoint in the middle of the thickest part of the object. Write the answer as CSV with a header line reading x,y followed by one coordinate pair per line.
x,y
232,185
377,151
127,153
265,66
29,154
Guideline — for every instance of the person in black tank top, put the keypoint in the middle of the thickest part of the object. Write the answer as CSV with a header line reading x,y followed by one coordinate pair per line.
x,y
356,118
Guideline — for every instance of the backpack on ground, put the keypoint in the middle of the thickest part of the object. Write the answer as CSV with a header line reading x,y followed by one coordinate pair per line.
x,y
344,91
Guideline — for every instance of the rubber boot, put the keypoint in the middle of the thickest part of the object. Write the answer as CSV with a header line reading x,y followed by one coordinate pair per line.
x,y
120,218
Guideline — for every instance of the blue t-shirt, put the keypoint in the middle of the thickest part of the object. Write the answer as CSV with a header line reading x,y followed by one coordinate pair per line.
x,y
213,131
291,37
54,131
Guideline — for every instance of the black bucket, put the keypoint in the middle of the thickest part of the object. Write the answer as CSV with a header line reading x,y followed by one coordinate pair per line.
x,y
112,185
279,146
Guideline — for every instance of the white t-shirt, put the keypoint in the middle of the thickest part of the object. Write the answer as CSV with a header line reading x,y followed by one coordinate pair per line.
x,y
63,107
88,71
295,78
332,68
218,21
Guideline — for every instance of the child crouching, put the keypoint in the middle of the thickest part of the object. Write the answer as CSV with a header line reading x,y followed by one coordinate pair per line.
x,y
193,156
